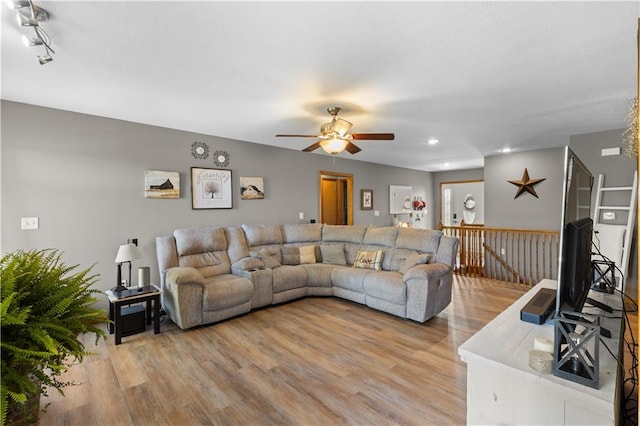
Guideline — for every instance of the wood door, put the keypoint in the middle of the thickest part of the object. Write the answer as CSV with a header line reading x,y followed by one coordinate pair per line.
x,y
333,201
335,198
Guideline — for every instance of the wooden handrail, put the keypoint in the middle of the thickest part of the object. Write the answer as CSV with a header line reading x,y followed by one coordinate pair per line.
x,y
508,254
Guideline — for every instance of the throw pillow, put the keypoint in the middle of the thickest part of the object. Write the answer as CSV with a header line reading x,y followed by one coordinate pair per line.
x,y
267,257
369,259
413,260
290,255
307,254
333,254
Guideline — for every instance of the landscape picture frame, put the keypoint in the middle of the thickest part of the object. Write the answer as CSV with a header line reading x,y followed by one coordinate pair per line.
x,y
251,188
211,188
161,184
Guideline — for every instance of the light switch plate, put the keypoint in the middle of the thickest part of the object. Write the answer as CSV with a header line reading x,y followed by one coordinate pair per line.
x,y
609,215
376,212
29,223
301,215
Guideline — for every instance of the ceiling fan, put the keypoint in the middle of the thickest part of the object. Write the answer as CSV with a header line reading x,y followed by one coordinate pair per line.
x,y
334,136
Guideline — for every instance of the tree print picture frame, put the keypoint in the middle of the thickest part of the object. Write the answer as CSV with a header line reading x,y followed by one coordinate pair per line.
x,y
211,189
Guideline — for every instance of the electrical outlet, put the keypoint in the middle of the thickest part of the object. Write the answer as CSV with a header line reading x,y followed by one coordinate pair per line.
x,y
29,223
609,215
376,212
301,215
502,252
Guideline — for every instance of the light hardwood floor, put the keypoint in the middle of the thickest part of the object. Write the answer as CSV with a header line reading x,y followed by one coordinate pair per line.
x,y
315,361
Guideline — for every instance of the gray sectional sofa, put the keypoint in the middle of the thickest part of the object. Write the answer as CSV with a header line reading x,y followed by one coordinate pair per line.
x,y
212,273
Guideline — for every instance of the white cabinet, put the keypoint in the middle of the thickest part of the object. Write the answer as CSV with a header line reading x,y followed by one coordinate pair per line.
x,y
503,389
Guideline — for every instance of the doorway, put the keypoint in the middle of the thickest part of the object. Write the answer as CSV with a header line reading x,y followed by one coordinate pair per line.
x,y
336,195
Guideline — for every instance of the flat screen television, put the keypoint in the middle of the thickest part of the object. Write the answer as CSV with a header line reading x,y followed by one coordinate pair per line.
x,y
572,353
575,273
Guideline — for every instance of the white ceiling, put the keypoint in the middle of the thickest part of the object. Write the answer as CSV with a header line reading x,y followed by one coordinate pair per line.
x,y
479,76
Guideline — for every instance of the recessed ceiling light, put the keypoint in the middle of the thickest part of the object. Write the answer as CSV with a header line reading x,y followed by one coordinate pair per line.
x,y
446,165
433,141
505,150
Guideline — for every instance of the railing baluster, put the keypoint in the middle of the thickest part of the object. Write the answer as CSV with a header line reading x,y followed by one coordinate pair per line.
x,y
530,255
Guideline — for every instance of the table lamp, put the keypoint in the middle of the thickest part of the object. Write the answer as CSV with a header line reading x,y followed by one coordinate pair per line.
x,y
126,253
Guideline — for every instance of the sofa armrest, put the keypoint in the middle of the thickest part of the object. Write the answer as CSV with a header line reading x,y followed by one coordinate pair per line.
x,y
244,264
447,250
428,290
183,296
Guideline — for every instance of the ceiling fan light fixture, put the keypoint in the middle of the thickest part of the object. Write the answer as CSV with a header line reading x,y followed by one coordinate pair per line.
x,y
17,4
32,41
341,126
334,145
26,21
44,59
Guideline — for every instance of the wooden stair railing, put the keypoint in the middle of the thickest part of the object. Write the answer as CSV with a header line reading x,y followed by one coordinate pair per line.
x,y
504,264
517,255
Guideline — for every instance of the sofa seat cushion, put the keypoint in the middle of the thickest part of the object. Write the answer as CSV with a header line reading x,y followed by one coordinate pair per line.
x,y
288,277
350,278
386,285
319,274
224,291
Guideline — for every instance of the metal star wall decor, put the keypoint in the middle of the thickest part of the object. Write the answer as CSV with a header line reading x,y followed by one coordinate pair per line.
x,y
526,184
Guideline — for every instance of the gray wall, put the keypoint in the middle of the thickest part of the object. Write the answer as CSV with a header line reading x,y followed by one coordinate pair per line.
x,y
618,171
502,210
83,176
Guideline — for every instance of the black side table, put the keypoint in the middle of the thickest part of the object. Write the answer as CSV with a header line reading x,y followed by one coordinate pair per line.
x,y
149,294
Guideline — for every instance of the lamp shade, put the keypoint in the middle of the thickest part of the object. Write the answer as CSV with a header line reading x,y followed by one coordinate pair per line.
x,y
127,253
341,126
333,146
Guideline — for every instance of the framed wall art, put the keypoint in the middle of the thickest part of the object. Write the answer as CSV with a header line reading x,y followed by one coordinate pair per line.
x,y
159,184
366,199
211,188
251,188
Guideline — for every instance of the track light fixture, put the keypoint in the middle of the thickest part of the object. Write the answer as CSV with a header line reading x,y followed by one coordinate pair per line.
x,y
32,18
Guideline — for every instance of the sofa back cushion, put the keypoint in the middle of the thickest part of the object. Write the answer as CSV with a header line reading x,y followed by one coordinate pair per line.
x,y
204,249
412,241
262,235
382,239
301,232
264,240
350,235
237,243
422,240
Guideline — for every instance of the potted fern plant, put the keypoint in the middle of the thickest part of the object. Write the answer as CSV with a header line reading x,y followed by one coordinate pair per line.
x,y
46,305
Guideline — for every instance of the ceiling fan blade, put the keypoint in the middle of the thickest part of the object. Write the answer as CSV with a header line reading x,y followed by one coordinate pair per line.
x,y
352,148
374,136
312,147
296,136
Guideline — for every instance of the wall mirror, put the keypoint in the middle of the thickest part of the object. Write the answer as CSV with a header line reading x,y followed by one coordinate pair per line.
x,y
399,199
462,201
